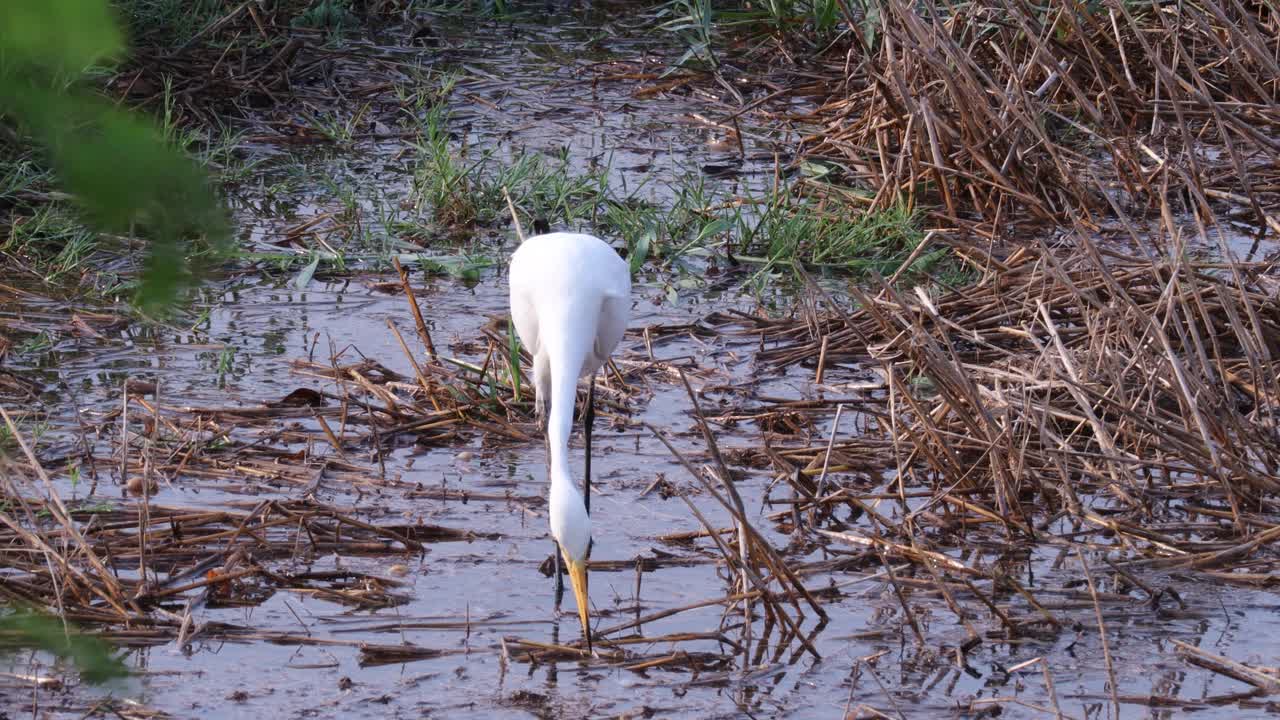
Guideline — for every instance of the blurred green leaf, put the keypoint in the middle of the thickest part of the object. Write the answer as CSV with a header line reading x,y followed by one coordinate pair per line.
x,y
92,656
64,35
115,163
814,170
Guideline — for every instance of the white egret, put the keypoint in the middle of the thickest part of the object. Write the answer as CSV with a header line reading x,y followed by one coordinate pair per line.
x,y
570,298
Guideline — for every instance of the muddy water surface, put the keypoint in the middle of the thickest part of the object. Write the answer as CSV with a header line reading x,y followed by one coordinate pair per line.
x,y
468,598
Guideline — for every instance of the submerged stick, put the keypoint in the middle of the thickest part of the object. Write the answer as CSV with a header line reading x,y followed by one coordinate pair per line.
x,y
421,324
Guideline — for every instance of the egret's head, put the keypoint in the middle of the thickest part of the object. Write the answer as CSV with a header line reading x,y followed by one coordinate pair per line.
x,y
571,527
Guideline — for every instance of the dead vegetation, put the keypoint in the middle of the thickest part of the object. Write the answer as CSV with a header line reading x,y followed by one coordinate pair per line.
x,y
138,572
1066,374
1070,393
991,110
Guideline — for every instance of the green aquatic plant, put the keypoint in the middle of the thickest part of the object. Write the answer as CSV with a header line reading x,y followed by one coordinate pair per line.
x,y
168,22
331,15
694,21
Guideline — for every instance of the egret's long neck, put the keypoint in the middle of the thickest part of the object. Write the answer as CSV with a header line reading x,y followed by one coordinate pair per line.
x,y
569,343
564,491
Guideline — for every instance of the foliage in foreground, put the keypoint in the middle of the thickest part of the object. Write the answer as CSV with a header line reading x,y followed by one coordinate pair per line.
x,y
115,165
27,629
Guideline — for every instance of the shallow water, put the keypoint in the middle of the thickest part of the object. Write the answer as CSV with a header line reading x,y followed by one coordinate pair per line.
x,y
493,583
465,597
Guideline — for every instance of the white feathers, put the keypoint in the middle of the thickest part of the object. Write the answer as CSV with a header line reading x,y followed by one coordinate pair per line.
x,y
570,298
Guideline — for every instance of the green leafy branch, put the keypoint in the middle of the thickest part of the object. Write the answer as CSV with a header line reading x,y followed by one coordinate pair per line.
x,y
114,163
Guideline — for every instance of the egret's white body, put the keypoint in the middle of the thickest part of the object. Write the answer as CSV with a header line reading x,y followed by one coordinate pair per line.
x,y
570,298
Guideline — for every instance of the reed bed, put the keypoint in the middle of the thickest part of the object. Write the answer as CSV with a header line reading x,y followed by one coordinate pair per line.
x,y
1131,397
139,568
1114,416
1001,109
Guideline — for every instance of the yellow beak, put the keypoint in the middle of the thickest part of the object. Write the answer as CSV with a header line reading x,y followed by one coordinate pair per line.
x,y
578,578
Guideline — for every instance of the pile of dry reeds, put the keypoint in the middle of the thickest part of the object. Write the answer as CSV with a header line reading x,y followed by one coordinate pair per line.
x,y
121,565
995,107
1117,393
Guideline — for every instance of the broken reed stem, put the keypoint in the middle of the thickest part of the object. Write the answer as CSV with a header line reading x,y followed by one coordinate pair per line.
x,y
515,216
731,558
1226,666
744,545
328,433
1050,689
1102,631
112,593
822,360
826,457
423,333
768,554
124,436
902,601
417,369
